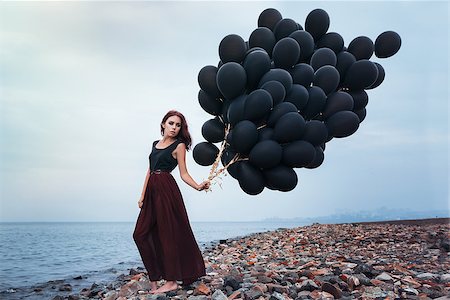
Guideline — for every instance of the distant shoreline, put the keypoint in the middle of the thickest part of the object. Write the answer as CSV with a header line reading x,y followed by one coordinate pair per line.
x,y
428,221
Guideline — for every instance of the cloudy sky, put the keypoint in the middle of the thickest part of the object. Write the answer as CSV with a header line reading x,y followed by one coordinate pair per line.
x,y
84,85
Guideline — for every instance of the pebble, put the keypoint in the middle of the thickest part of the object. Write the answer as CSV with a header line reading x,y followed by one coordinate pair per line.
x,y
321,261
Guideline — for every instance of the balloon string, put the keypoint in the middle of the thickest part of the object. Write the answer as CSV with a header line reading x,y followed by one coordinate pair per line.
x,y
212,173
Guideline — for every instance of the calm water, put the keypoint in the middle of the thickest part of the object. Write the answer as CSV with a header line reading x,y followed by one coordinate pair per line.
x,y
34,253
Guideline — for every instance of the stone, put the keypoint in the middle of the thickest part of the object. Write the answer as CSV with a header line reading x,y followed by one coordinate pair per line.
x,y
65,288
411,291
367,270
277,296
332,289
134,272
111,295
271,287
254,293
353,282
202,289
58,297
445,278
308,285
201,297
427,276
232,282
384,277
218,295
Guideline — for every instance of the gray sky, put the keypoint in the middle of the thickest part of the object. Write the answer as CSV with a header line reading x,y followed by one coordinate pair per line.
x,y
84,85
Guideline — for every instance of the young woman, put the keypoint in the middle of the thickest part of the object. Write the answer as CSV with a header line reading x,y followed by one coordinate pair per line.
x,y
163,234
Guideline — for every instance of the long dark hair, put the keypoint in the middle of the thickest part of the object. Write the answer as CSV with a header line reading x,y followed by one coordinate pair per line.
x,y
183,134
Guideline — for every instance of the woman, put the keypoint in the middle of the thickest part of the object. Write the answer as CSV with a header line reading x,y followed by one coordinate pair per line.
x,y
163,235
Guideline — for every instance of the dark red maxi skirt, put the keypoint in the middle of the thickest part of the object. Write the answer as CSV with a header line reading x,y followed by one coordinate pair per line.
x,y
164,236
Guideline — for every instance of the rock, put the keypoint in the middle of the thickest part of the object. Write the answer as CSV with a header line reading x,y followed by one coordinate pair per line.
x,y
445,278
363,280
264,279
277,296
218,295
202,289
384,277
201,297
271,287
411,291
367,270
58,297
253,293
111,295
78,278
65,288
232,282
427,276
332,289
74,297
134,272
308,285
353,282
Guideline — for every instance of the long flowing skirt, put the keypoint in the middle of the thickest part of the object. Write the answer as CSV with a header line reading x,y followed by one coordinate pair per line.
x,y
163,234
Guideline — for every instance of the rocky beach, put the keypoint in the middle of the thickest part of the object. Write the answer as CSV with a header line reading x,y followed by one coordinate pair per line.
x,y
378,260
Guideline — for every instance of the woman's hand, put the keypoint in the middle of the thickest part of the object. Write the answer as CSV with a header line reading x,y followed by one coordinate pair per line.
x,y
204,185
141,202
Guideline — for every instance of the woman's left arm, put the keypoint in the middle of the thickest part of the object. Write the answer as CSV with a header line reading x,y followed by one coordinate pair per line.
x,y
180,153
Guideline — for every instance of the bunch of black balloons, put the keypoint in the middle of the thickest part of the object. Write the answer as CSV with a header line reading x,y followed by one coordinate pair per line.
x,y
283,94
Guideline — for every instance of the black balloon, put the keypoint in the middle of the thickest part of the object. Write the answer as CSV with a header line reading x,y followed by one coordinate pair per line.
x,y
316,132
280,75
387,44
316,102
232,48
207,81
265,133
231,80
298,95
281,178
317,23
251,179
360,99
327,78
284,28
258,105
256,64
286,53
205,153
332,40
344,61
213,130
318,158
298,154
245,136
362,74
280,110
210,104
361,114
322,57
337,101
265,154
276,90
269,18
380,77
306,43
289,127
236,110
342,124
302,74
225,107
262,37
361,47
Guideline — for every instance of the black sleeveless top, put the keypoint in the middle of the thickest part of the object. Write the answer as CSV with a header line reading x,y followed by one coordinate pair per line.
x,y
162,159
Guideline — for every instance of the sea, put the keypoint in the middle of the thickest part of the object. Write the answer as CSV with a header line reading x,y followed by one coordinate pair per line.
x,y
81,254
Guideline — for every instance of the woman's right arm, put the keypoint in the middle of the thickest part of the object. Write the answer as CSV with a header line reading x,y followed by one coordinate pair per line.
x,y
141,200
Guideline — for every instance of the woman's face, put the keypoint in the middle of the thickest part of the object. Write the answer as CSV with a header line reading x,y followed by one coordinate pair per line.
x,y
172,126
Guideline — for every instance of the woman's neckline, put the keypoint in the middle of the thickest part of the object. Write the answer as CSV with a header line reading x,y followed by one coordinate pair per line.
x,y
166,146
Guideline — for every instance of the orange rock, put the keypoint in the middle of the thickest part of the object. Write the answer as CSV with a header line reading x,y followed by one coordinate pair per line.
x,y
202,289
234,295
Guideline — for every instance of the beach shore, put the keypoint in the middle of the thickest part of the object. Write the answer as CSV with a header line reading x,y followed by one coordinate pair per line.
x,y
406,259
